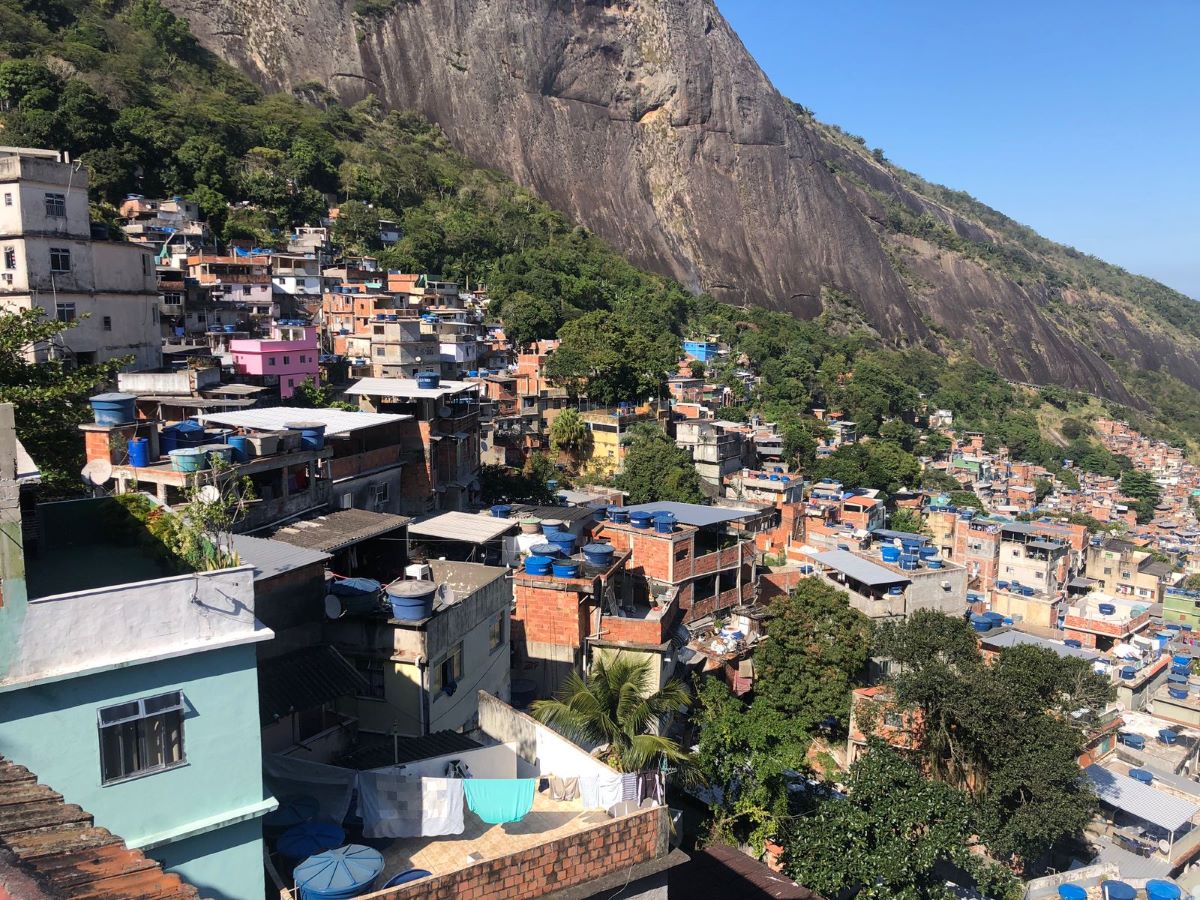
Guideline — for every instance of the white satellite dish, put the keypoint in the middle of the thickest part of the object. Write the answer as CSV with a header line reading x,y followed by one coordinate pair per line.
x,y
333,606
97,472
446,594
209,494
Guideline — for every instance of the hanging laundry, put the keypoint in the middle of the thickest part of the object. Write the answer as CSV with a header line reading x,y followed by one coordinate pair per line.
x,y
629,786
441,806
609,790
589,791
500,800
390,804
652,786
331,786
564,788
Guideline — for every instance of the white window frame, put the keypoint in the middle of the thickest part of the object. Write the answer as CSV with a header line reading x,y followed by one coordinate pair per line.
x,y
144,709
56,205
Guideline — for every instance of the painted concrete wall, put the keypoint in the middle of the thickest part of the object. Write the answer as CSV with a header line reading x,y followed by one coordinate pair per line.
x,y
52,729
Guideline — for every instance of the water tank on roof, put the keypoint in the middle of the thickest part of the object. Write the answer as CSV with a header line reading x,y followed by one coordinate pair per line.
x,y
1141,775
345,872
1106,609
1158,889
113,409
411,600
1071,892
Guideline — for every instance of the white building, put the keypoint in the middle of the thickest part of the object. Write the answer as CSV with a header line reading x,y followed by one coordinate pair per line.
x,y
297,274
48,258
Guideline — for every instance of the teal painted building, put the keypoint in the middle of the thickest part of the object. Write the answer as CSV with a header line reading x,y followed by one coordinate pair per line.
x,y
137,700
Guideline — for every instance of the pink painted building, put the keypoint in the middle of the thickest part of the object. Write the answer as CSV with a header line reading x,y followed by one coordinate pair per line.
x,y
285,359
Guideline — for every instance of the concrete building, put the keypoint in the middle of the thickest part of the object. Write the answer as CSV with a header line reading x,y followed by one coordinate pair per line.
x,y
402,347
1100,620
1029,559
285,359
716,453
882,590
150,720
49,259
297,275
605,452
1127,570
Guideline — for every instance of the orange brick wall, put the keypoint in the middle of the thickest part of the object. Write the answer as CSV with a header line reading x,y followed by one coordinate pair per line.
x,y
551,617
573,860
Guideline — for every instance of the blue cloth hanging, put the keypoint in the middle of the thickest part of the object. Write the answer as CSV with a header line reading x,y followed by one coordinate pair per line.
x,y
500,800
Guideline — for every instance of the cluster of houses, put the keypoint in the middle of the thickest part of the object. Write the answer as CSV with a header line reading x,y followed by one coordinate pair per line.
x,y
373,621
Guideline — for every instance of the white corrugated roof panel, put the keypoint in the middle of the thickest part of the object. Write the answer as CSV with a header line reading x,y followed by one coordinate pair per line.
x,y
1140,800
407,387
277,418
473,528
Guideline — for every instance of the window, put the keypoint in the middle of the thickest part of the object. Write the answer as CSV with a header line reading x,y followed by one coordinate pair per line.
x,y
382,494
60,259
347,500
287,360
141,737
892,719
448,672
245,289
291,383
371,669
64,312
496,634
271,361
379,351
56,206
10,257
107,323
147,264
7,199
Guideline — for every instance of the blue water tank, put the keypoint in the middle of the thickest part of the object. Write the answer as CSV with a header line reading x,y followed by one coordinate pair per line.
x,y
411,600
312,434
293,809
1071,892
563,540
309,838
599,555
1072,642
407,877
1177,693
890,554
640,519
1117,890
618,515
1167,736
896,590
1128,673
981,624
338,874
139,452
242,448
1003,585
664,522
549,526
1181,659
428,381
928,552
1136,741
1157,889
537,565
1106,609
501,511
934,563
113,409
547,549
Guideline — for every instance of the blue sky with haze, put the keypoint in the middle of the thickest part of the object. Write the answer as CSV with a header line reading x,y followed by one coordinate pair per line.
x,y
1080,119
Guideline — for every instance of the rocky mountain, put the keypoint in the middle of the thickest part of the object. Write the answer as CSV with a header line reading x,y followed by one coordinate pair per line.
x,y
650,123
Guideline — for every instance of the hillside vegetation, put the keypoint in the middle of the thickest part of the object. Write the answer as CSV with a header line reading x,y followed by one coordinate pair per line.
x,y
124,87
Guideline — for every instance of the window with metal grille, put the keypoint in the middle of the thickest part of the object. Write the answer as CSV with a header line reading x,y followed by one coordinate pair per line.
x,y
448,673
108,323
371,668
141,737
56,206
64,312
10,257
60,259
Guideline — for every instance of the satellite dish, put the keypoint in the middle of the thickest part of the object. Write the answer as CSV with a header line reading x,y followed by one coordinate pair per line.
x,y
97,472
446,594
333,606
209,494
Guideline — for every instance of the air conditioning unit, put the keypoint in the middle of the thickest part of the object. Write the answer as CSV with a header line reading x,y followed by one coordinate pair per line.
x,y
419,572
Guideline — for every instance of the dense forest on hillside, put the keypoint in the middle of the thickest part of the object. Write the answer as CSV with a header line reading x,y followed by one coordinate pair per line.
x,y
125,88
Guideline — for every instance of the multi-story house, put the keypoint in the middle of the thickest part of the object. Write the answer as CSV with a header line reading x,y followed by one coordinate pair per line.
x,y
129,682
716,453
285,359
1126,570
244,280
49,259
1027,558
297,274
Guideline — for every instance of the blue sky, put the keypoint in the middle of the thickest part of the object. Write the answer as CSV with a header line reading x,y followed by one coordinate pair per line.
x,y
1080,119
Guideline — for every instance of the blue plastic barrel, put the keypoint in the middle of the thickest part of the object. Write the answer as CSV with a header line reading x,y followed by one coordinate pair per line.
x,y
563,540
312,434
309,838
565,568
428,381
640,519
664,522
599,555
139,453
113,409
538,565
1071,892
1157,889
242,448
168,439
501,511
890,554
338,874
549,550
1128,673
618,515
411,600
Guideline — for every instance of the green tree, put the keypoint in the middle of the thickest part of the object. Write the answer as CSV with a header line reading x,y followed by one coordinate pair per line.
x,y
357,226
50,399
907,519
870,464
615,707
966,498
1142,487
656,469
528,318
569,433
816,649
1192,582
309,395
891,838
1042,488
749,755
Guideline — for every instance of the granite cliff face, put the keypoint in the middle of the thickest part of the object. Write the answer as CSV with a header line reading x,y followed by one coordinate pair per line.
x,y
650,123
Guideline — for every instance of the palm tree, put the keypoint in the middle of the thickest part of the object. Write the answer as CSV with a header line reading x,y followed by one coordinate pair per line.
x,y
569,433
614,706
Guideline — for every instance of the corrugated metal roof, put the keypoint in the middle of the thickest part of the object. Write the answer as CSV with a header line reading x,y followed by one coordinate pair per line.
x,y
276,418
1006,639
271,558
474,528
1046,545
1140,800
695,514
407,387
336,530
889,534
304,679
722,871
859,569
60,848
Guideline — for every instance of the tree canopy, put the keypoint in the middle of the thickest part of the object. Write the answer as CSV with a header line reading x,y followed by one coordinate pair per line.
x,y
870,464
656,469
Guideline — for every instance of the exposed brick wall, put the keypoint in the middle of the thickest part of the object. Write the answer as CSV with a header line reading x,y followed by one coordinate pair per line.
x,y
551,616
573,860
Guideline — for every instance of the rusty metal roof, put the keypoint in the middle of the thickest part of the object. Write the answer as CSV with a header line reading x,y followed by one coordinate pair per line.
x,y
58,846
